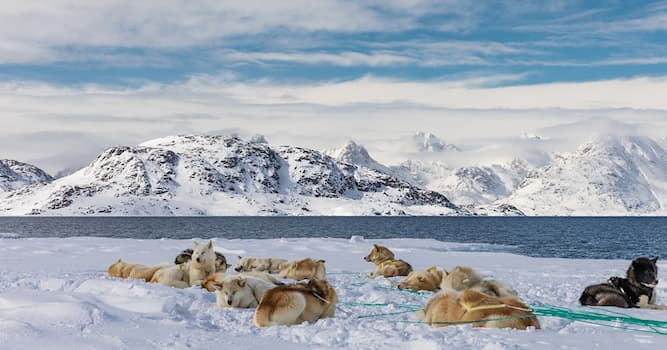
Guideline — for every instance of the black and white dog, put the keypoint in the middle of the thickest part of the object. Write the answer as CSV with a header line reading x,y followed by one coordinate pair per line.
x,y
636,290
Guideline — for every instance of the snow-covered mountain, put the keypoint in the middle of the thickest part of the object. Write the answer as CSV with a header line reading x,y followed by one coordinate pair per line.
x,y
225,175
613,175
353,153
14,175
428,142
216,175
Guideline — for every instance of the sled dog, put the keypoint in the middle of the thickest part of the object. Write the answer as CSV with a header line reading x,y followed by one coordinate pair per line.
x,y
296,303
270,265
477,309
186,255
212,280
303,269
637,289
462,278
385,264
241,291
124,270
429,279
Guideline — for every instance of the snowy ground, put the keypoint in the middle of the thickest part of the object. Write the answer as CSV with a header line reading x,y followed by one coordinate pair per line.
x,y
54,293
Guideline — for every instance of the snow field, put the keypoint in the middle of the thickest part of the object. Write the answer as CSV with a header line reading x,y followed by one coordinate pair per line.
x,y
54,293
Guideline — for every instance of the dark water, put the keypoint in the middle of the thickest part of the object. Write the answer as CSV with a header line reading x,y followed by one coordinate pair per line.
x,y
606,238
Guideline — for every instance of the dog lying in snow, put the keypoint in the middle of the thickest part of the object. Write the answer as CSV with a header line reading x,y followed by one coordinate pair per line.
x,y
385,264
186,255
296,303
212,280
241,291
478,309
429,279
463,278
270,265
122,269
636,290
191,273
303,269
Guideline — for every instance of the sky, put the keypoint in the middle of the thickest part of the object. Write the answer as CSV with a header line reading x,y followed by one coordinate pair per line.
x,y
79,76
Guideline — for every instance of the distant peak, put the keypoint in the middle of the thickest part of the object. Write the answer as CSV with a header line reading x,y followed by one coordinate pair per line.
x,y
428,142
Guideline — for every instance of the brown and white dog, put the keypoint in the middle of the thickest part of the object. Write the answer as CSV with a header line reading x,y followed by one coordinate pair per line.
x,y
296,303
125,270
385,264
241,291
270,265
477,309
303,269
209,283
463,277
429,279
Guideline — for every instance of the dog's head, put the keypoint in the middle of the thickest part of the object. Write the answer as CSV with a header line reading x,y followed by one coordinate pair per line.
x,y
183,257
644,271
220,262
379,253
203,253
230,291
116,268
460,278
423,280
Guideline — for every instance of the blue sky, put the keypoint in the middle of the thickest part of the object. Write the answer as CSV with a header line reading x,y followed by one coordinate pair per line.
x,y
534,41
77,76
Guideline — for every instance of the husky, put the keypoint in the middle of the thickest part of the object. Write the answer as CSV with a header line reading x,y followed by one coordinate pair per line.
x,y
463,278
186,255
177,276
385,264
478,309
303,269
423,280
191,273
270,265
202,263
241,291
212,280
124,270
296,303
637,290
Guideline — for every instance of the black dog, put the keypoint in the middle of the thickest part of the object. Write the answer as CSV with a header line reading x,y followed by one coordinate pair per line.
x,y
636,290
186,255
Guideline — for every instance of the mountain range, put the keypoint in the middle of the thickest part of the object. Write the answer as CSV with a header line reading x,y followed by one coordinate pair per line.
x,y
223,175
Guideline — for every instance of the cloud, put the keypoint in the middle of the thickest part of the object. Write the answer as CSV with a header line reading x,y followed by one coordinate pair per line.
x,y
53,124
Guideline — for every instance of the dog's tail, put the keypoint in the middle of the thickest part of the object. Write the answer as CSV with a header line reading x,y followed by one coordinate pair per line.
x,y
263,315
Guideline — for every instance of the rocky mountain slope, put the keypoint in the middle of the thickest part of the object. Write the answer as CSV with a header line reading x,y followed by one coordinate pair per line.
x,y
215,175
218,175
14,175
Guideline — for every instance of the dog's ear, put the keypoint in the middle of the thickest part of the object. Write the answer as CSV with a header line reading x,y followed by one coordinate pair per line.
x,y
375,246
241,282
209,244
321,261
120,260
655,260
239,257
196,244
